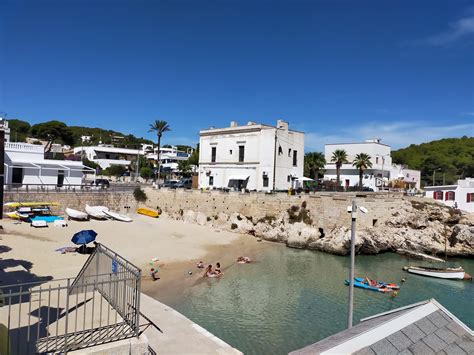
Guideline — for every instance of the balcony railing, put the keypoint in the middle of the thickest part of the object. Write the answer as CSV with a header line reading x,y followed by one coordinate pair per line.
x,y
24,147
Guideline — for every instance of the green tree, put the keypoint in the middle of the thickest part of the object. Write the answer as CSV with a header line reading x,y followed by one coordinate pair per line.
x,y
362,162
159,127
52,131
116,170
194,158
339,157
19,130
313,163
184,167
146,173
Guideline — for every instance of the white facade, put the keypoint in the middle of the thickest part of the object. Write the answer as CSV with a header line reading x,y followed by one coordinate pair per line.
x,y
376,177
250,156
105,156
169,157
461,194
25,164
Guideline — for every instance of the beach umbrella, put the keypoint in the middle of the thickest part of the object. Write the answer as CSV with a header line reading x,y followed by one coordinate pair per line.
x,y
84,237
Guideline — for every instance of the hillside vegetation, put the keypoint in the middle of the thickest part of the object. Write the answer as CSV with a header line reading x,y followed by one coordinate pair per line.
x,y
451,157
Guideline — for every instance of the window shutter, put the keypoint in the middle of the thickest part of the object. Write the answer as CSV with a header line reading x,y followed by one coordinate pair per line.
x,y
468,197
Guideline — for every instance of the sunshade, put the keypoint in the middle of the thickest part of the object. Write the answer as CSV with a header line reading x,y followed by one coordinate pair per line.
x,y
84,237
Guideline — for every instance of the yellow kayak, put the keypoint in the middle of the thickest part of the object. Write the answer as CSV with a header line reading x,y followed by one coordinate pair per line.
x,y
30,204
148,212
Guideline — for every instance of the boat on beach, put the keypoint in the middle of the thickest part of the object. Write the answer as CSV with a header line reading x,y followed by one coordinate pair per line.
x,y
117,216
441,273
148,212
96,212
75,214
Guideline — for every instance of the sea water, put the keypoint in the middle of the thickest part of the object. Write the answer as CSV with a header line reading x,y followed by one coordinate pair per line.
x,y
289,298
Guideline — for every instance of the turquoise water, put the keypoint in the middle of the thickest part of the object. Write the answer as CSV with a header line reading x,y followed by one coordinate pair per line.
x,y
290,298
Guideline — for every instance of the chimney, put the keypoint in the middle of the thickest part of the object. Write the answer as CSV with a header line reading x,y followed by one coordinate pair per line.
x,y
233,123
282,125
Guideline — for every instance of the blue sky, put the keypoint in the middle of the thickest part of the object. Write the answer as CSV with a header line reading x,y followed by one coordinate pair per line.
x,y
338,70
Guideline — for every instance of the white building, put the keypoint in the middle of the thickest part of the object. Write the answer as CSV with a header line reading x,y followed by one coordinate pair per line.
x,y
105,156
25,164
169,157
255,157
376,177
461,194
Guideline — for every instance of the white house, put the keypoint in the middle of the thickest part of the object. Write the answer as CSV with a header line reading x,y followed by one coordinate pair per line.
x,y
461,194
254,156
25,164
106,155
376,177
169,157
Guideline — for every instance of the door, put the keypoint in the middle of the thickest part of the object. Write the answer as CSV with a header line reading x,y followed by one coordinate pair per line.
x,y
17,176
347,183
60,178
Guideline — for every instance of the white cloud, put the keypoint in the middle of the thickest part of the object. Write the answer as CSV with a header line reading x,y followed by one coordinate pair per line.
x,y
458,30
397,135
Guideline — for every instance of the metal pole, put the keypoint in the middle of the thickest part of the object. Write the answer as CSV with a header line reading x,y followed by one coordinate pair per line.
x,y
351,272
138,158
275,159
383,184
2,169
434,174
444,180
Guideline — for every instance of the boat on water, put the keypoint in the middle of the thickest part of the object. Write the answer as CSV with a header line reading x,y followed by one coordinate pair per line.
x,y
117,216
377,286
96,212
441,273
148,212
75,214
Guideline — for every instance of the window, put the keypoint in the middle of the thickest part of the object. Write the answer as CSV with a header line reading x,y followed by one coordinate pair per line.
x,y
289,178
211,180
376,160
280,151
289,153
295,158
265,180
17,176
241,153
60,178
470,197
213,154
438,195
230,151
449,196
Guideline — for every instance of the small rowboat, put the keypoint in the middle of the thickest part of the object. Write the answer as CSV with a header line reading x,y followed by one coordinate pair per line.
x,y
441,273
96,211
378,286
30,204
148,212
75,214
118,217
17,215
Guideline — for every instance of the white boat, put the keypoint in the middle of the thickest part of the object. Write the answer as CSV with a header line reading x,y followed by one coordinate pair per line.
x,y
96,211
441,273
118,217
75,214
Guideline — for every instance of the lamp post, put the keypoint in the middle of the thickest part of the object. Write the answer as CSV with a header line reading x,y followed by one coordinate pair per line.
x,y
353,210
383,172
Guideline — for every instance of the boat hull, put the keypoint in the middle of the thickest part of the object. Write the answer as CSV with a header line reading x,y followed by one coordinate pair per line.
x,y
118,217
440,274
148,212
75,214
96,211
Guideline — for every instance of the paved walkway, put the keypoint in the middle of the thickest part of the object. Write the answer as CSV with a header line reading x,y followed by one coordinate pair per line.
x,y
180,335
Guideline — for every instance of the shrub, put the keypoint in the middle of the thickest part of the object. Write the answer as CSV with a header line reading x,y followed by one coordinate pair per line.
x,y
139,194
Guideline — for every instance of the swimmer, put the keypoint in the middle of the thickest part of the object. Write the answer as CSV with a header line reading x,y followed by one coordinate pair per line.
x,y
217,270
208,272
153,274
200,265
243,260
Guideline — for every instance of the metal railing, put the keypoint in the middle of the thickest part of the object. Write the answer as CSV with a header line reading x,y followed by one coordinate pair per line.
x,y
43,188
101,305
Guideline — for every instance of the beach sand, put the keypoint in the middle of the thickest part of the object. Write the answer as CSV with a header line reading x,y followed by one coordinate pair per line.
x,y
176,245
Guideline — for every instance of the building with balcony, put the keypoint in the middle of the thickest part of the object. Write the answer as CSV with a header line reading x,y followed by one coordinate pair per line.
x,y
25,164
459,196
169,156
107,155
376,177
253,156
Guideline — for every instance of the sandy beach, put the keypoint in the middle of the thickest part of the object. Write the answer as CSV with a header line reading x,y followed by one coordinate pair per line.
x,y
175,245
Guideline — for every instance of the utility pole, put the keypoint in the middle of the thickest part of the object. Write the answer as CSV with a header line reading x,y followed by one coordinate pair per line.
x,y
138,158
275,158
444,180
434,174
352,266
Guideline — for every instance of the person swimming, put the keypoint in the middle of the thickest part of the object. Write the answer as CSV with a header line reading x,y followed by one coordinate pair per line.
x,y
243,260
200,265
208,271
217,270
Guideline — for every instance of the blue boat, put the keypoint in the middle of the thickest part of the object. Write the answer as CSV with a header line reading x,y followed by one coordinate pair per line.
x,y
379,287
48,219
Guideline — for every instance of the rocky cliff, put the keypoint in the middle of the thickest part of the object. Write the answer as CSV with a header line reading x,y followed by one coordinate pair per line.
x,y
323,224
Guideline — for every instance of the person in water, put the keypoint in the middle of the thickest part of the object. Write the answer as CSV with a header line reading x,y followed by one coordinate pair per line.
x,y
153,274
200,265
217,270
208,272
243,260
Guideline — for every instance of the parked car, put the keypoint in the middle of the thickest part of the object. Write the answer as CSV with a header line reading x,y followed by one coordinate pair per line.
x,y
170,183
101,183
185,183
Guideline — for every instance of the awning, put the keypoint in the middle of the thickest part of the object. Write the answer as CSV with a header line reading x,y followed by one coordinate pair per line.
x,y
304,179
48,165
238,177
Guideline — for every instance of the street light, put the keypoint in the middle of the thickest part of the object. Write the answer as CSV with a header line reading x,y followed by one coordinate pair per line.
x,y
353,211
383,162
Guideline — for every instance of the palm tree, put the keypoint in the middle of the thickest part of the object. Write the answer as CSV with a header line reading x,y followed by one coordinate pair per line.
x,y
159,127
313,163
339,157
362,162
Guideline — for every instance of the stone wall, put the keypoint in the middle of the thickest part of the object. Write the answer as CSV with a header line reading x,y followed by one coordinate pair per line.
x,y
117,201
